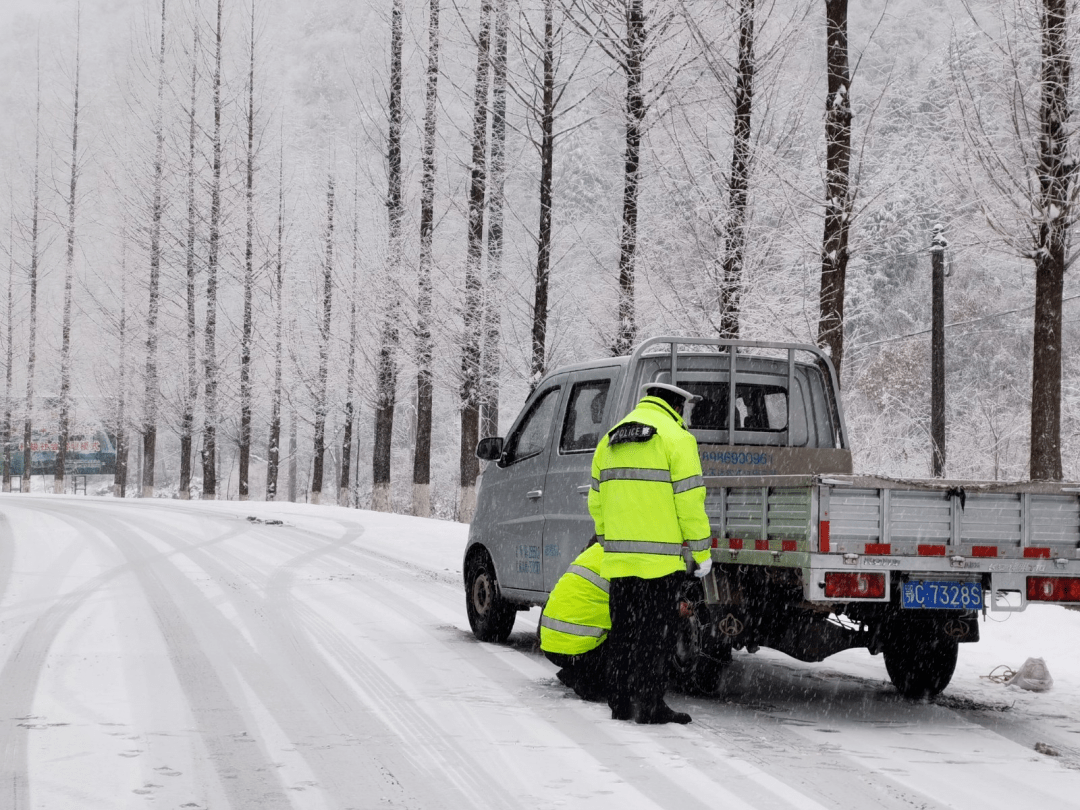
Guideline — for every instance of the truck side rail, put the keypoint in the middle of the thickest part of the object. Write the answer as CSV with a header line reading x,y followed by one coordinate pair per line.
x,y
874,515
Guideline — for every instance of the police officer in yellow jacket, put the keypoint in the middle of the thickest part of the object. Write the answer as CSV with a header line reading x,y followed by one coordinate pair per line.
x,y
575,623
648,503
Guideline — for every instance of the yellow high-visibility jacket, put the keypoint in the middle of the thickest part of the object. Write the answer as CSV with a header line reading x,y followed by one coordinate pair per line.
x,y
576,618
648,494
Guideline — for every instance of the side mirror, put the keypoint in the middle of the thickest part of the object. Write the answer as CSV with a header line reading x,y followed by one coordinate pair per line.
x,y
490,449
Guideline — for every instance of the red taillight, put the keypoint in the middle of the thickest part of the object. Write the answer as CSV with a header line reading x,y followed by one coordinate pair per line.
x,y
823,536
842,585
1053,589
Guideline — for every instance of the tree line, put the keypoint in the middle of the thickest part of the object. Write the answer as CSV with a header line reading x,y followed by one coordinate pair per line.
x,y
275,268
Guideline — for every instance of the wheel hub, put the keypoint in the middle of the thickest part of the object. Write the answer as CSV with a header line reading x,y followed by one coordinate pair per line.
x,y
481,594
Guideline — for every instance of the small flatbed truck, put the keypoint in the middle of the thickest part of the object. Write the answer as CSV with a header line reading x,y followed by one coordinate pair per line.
x,y
808,558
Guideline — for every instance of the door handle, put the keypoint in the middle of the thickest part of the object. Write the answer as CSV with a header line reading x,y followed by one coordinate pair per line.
x,y
584,490
534,494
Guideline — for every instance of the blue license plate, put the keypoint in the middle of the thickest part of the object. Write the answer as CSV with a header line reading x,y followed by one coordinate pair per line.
x,y
942,595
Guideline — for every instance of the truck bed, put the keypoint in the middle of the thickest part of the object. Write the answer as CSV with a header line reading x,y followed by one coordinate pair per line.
x,y
1001,530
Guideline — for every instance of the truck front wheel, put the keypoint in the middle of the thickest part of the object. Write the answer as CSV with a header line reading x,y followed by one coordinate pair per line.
x,y
919,657
490,616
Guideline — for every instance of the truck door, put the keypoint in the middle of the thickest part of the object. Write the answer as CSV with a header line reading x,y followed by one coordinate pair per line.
x,y
514,492
588,411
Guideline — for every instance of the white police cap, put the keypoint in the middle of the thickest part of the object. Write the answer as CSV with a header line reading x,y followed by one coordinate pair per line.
x,y
682,392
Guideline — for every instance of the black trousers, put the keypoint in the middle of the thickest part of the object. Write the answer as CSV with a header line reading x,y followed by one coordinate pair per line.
x,y
641,641
586,674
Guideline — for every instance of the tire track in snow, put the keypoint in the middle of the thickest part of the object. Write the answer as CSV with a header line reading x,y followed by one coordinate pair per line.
x,y
384,697
22,669
247,775
242,769
300,690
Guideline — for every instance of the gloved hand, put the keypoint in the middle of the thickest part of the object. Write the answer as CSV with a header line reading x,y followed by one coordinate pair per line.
x,y
703,569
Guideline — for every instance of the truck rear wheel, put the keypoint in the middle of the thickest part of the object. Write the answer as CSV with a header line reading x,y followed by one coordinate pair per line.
x,y
919,657
490,616
701,652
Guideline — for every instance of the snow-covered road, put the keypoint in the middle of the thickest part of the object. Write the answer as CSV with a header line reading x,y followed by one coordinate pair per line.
x,y
197,655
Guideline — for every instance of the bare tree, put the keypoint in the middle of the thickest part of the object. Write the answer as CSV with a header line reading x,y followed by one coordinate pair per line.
x,y
324,348
249,274
191,371
10,349
739,179
274,444
422,447
1056,176
1028,193
350,374
386,373
838,198
152,395
630,35
490,360
210,360
120,470
69,276
547,183
35,257
472,321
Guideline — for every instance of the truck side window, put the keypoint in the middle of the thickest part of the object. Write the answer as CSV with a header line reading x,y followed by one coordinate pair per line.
x,y
584,416
532,435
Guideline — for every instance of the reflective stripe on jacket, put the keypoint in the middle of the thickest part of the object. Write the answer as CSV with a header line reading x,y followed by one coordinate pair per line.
x,y
648,497
576,618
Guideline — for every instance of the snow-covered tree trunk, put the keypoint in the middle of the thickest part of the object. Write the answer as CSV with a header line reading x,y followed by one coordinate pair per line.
x,y
1056,173
634,68
9,350
191,370
491,365
386,371
152,391
247,336
422,449
538,364
120,471
473,325
213,255
739,179
69,278
35,258
274,444
838,199
350,374
319,450
293,475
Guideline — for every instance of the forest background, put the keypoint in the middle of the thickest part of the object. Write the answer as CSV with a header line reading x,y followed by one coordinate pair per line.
x,y
323,290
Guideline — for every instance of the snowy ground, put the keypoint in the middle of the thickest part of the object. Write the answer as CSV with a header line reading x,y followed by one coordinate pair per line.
x,y
177,655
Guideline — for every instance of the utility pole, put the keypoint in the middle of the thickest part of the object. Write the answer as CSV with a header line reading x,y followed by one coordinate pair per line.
x,y
937,352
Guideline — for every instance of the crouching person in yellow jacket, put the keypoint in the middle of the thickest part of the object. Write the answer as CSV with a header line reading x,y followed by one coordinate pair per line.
x,y
575,623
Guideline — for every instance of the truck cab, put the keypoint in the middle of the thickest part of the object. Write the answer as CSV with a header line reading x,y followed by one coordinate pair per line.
x,y
781,417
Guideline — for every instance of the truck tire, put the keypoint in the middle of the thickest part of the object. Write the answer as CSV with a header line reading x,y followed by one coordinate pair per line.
x,y
490,616
701,652
920,658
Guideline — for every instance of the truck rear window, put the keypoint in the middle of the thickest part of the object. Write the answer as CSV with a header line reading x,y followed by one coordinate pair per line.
x,y
757,407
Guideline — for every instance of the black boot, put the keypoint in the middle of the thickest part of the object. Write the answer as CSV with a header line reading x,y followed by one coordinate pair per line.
x,y
660,715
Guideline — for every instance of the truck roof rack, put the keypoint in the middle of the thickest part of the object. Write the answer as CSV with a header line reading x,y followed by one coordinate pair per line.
x,y
648,348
